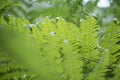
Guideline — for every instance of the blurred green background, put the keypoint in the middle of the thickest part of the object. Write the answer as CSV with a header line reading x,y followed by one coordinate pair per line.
x,y
70,10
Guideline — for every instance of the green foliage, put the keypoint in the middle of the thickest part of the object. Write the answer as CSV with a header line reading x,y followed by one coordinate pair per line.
x,y
6,6
36,10
89,43
11,70
57,50
70,10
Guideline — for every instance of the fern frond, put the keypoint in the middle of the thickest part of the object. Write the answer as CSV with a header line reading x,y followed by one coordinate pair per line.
x,y
89,43
47,27
61,28
10,70
100,70
116,73
111,41
71,63
2,21
89,37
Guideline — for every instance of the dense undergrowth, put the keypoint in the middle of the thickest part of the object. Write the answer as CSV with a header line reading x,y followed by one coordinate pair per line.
x,y
57,50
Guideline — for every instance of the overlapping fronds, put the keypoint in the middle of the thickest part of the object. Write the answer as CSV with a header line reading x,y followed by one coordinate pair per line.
x,y
58,50
110,41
